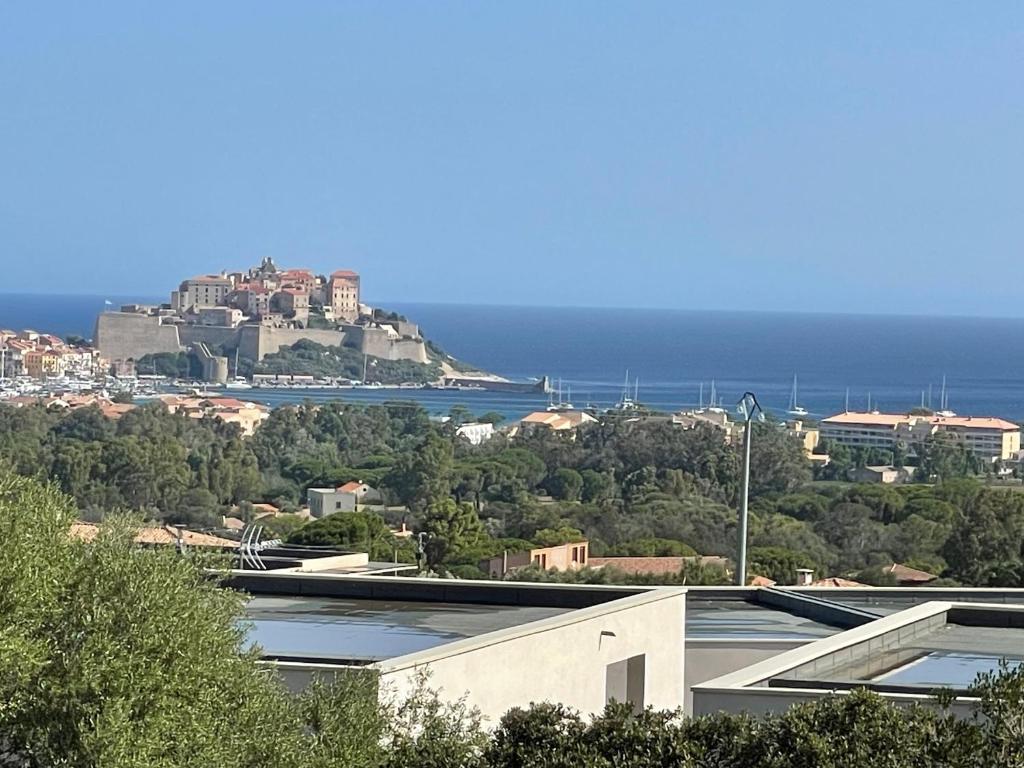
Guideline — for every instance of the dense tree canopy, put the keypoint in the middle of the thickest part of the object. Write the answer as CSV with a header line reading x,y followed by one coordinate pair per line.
x,y
617,481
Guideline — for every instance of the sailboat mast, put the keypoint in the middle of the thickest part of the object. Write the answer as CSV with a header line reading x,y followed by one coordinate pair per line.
x,y
846,409
701,401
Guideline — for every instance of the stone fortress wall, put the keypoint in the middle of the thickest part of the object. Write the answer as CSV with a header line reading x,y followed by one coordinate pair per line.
x,y
126,335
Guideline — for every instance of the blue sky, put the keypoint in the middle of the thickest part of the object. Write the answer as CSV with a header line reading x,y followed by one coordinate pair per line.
x,y
815,156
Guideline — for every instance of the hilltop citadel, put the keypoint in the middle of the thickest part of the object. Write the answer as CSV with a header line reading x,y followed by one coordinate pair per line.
x,y
248,315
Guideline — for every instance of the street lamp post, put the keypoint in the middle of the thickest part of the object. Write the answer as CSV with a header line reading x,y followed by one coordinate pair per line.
x,y
749,409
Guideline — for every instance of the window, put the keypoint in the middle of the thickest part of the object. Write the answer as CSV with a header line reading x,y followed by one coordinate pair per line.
x,y
624,682
575,554
337,505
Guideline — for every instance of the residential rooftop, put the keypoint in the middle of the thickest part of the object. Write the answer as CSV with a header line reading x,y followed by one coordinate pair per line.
x,y
361,631
874,418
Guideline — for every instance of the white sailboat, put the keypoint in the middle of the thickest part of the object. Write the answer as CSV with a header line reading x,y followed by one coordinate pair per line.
x,y
627,402
795,409
563,404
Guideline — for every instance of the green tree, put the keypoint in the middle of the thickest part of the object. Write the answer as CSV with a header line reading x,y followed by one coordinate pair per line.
x,y
451,529
597,486
565,484
552,537
779,564
423,476
358,531
98,673
984,548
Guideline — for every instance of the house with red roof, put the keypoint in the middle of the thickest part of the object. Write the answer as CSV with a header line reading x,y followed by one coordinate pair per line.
x,y
345,498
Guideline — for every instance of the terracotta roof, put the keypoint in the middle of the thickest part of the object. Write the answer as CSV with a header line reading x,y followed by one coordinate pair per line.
x,y
167,534
116,410
350,487
905,574
975,422
761,581
558,419
207,279
874,419
895,419
836,581
654,565
344,273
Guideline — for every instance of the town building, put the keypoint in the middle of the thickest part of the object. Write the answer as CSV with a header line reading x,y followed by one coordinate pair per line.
x,y
246,415
883,474
989,438
808,436
562,557
345,498
717,418
475,433
202,291
556,421
226,317
343,291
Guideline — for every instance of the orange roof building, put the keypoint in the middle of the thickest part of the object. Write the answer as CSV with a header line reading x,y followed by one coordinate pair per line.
x,y
987,437
165,534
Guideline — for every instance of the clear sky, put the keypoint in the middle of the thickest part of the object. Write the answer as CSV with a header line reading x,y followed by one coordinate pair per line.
x,y
799,155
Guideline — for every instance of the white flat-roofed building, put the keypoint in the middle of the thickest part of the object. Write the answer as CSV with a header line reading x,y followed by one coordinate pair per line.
x,y
497,644
990,438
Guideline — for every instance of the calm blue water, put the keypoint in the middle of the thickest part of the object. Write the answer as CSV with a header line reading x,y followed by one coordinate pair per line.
x,y
893,358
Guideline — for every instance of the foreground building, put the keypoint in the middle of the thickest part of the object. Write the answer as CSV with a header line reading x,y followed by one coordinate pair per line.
x,y
705,649
991,439
499,644
905,657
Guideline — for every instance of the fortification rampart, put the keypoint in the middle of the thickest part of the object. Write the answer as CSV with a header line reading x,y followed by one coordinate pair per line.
x,y
125,335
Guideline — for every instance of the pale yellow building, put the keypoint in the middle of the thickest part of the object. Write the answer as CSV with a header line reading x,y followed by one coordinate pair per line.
x,y
989,438
202,291
563,557
556,421
809,437
343,293
43,363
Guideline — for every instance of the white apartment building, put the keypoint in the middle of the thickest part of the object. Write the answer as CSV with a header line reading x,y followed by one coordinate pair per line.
x,y
475,432
990,438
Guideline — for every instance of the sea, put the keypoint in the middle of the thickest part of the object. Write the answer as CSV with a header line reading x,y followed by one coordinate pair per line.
x,y
672,358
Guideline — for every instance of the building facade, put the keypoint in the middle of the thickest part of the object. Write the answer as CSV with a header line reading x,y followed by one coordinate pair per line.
x,y
345,498
343,290
991,439
202,291
563,557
